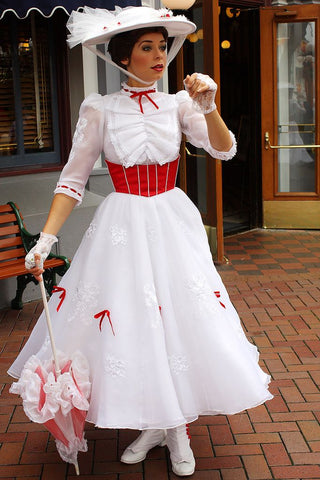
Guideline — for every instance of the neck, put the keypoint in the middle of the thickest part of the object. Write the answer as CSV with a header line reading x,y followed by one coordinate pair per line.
x,y
133,83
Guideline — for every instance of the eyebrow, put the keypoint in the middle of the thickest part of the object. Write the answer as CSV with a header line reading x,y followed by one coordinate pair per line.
x,y
151,41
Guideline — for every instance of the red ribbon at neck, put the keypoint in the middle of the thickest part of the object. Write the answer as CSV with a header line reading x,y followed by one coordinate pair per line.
x,y
139,95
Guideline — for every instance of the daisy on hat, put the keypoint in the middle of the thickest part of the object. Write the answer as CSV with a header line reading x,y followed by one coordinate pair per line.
x,y
96,26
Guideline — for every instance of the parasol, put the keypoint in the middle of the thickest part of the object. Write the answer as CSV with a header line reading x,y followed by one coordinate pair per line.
x,y
55,393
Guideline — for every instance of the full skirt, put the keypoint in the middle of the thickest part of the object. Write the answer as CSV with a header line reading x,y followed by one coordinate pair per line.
x,y
146,306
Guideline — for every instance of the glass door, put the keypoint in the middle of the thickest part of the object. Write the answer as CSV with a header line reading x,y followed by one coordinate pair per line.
x,y
296,106
290,128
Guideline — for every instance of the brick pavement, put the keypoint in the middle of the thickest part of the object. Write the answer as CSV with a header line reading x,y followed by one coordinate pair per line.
x,y
273,281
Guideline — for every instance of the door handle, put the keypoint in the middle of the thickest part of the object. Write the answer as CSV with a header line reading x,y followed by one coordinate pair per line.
x,y
268,145
194,154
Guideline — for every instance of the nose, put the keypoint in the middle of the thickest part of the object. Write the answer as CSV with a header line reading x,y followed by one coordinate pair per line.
x,y
159,53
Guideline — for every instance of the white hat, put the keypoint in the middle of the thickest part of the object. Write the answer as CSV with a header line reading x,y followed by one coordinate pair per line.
x,y
94,26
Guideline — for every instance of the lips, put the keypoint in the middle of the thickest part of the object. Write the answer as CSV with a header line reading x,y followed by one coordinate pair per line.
x,y
158,68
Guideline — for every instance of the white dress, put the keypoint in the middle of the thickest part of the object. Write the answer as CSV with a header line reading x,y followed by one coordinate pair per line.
x,y
170,345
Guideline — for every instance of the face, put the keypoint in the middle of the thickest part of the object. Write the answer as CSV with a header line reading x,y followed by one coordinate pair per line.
x,y
148,59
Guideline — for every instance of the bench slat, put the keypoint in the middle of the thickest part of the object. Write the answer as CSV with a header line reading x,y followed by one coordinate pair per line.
x,y
14,253
15,268
5,208
11,229
8,217
11,242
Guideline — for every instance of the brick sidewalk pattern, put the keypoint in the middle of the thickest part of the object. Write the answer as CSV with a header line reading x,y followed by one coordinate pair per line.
x,y
273,280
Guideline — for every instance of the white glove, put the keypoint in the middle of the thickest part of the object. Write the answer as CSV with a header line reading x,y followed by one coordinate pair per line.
x,y
204,102
42,248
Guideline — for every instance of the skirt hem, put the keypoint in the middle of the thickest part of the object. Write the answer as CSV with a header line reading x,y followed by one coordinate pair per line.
x,y
187,419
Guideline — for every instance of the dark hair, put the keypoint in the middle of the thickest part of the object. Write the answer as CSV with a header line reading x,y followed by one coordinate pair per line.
x,y
120,46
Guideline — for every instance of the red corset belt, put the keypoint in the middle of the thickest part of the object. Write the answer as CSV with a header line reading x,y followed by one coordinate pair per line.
x,y
144,180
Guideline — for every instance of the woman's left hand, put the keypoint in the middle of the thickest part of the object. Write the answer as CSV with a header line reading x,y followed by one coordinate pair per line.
x,y
196,84
202,90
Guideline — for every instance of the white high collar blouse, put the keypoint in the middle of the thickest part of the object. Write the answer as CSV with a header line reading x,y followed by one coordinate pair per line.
x,y
133,128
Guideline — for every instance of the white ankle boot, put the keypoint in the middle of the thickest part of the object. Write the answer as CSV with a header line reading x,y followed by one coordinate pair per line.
x,y
137,450
182,459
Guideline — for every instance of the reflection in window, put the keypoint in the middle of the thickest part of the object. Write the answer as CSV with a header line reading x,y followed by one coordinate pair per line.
x,y
296,102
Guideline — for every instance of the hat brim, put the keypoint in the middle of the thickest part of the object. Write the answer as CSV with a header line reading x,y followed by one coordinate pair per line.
x,y
174,27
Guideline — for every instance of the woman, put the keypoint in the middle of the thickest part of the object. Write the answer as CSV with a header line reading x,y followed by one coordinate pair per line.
x,y
172,347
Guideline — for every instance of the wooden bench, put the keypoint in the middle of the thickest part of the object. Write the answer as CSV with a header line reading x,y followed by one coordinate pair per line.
x,y
15,243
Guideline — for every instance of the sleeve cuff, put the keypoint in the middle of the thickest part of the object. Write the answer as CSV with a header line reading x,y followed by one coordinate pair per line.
x,y
70,191
224,155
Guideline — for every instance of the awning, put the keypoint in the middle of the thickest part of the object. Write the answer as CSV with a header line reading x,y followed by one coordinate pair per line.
x,y
22,8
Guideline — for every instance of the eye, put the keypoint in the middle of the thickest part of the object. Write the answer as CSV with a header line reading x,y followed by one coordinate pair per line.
x,y
163,48
146,48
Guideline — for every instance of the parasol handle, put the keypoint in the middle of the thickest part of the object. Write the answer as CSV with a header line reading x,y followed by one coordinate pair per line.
x,y
49,325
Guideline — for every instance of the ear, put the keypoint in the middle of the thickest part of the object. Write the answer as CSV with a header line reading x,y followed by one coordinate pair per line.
x,y
125,61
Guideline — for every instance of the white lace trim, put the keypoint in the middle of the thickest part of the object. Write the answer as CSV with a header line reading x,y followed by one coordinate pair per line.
x,y
178,364
118,235
152,234
183,226
85,299
79,134
203,293
91,230
115,367
225,155
126,89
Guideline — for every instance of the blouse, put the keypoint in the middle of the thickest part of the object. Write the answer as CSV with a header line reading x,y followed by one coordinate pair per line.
x,y
131,128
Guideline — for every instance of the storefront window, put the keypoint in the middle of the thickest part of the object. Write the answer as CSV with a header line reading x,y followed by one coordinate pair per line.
x,y
28,106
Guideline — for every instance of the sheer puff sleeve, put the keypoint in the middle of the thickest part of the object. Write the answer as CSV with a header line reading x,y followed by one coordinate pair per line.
x,y
194,126
86,148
